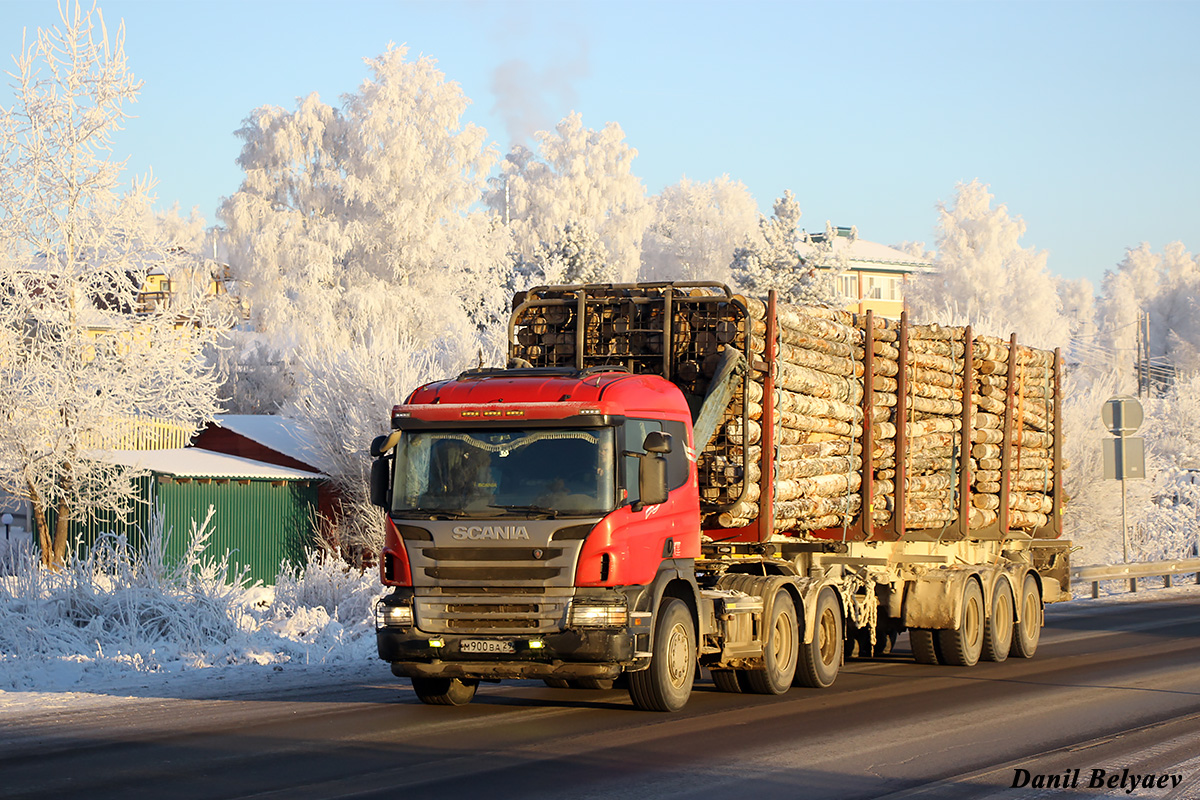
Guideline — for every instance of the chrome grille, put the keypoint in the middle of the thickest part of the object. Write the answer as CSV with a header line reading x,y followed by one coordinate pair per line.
x,y
492,613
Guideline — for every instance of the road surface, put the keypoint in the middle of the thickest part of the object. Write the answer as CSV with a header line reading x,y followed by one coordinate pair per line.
x,y
1113,688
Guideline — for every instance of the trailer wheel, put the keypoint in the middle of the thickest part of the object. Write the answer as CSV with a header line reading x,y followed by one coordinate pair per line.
x,y
444,691
998,630
779,650
666,684
1028,630
924,644
962,646
592,684
821,658
557,683
726,680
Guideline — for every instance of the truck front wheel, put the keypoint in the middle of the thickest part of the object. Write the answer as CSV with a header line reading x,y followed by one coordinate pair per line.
x,y
666,684
444,691
821,658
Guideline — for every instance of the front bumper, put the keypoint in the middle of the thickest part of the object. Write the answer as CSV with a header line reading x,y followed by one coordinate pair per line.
x,y
573,652
569,654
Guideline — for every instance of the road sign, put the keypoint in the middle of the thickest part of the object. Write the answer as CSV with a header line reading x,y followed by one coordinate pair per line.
x,y
1122,414
1124,458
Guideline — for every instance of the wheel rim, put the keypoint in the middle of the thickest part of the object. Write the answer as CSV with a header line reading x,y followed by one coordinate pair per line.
x,y
827,631
678,655
782,640
1003,617
1029,610
973,621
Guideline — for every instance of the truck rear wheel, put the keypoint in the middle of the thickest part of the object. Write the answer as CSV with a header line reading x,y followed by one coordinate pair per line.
x,y
666,684
924,645
779,650
726,680
963,645
1028,630
821,658
444,691
998,630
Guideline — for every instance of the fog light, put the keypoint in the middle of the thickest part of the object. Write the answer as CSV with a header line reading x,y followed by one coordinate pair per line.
x,y
437,643
536,644
393,616
594,614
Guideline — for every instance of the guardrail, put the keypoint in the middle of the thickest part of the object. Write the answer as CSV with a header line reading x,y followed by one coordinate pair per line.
x,y
1131,572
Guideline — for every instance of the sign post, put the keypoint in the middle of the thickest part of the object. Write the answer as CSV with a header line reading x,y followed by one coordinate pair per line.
x,y
1124,456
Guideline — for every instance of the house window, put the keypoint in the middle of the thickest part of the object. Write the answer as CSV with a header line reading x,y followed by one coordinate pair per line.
x,y
848,285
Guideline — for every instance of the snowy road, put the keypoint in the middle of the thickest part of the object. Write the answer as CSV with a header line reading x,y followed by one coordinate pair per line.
x,y
1114,693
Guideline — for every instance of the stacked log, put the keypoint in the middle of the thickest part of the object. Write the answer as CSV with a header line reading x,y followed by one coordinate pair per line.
x,y
820,413
1030,468
933,425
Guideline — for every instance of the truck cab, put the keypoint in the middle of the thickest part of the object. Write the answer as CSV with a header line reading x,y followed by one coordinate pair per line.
x,y
536,517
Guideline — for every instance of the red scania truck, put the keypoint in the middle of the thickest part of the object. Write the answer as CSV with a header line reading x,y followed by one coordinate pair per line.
x,y
670,477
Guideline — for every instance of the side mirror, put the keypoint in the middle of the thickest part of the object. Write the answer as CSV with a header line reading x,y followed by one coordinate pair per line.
x,y
652,479
381,444
657,442
381,482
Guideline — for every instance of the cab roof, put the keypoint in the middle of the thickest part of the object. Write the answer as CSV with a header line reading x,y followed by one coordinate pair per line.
x,y
607,392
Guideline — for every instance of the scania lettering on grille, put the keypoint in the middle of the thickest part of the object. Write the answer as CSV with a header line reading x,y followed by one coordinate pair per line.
x,y
491,532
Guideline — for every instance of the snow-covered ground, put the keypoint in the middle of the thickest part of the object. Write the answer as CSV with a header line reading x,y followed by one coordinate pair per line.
x,y
116,629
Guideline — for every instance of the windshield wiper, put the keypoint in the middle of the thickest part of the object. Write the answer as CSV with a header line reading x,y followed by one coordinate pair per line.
x,y
543,510
434,513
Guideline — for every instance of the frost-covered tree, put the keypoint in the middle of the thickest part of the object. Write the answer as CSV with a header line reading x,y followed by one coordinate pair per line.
x,y
982,269
581,177
576,255
359,225
346,403
696,229
801,268
80,355
1164,285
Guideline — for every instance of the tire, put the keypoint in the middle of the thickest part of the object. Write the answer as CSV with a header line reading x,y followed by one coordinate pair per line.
x,y
444,691
726,680
1028,630
998,630
591,684
924,645
666,684
821,658
780,650
962,646
557,683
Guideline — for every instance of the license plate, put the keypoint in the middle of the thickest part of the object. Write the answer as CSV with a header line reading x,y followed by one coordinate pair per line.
x,y
486,646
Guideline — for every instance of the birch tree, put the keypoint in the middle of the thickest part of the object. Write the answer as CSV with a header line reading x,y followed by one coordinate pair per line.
x,y
696,229
802,270
1164,285
578,177
357,225
983,271
80,359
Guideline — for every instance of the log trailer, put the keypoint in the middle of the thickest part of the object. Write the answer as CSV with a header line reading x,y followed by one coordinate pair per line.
x,y
669,477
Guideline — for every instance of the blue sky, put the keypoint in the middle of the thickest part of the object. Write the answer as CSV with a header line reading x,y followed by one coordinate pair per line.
x,y
1081,116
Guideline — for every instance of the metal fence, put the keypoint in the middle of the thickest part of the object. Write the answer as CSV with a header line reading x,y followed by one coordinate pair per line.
x,y
1167,570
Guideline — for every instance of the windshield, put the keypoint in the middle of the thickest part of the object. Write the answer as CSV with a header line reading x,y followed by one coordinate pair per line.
x,y
551,472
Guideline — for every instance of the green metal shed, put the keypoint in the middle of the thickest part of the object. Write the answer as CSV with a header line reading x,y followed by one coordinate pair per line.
x,y
263,513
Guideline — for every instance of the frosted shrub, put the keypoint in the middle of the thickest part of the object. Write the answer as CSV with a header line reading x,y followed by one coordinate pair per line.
x,y
124,607
326,581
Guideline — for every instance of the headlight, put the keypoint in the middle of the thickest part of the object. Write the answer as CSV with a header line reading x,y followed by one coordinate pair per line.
x,y
393,616
597,614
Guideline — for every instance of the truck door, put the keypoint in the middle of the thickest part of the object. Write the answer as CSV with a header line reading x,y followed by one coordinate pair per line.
x,y
653,533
